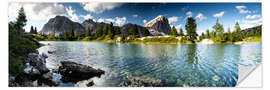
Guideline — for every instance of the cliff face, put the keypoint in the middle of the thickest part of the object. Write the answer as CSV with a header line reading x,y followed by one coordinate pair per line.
x,y
61,24
158,26
92,25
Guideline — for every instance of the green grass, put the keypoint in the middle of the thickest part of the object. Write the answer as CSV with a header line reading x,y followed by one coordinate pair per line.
x,y
253,39
162,40
19,48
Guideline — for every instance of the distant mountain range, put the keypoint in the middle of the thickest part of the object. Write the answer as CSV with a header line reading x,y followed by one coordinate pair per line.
x,y
60,24
252,29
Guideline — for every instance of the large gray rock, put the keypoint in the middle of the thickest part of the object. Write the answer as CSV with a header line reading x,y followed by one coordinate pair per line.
x,y
47,78
38,62
158,26
74,72
30,70
61,24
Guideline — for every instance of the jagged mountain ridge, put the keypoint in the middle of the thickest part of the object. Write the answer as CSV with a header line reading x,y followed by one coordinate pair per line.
x,y
61,24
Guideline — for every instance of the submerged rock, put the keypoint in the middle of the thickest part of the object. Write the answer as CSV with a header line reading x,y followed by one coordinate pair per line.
x,y
74,72
130,81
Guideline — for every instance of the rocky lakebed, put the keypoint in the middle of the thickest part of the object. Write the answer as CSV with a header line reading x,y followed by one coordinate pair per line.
x,y
37,74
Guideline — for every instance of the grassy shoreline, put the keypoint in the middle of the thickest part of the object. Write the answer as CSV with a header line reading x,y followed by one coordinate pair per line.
x,y
166,41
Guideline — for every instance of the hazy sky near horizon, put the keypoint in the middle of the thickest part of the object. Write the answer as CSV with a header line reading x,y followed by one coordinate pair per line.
x,y
206,14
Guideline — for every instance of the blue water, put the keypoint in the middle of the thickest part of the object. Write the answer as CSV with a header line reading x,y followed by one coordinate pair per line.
x,y
196,65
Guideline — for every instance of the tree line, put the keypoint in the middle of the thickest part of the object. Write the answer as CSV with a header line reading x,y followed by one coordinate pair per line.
x,y
108,31
217,34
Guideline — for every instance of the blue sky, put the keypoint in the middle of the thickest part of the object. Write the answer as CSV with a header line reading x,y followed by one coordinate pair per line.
x,y
206,14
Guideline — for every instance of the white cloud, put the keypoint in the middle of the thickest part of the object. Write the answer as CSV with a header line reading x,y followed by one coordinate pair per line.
x,y
178,27
242,9
173,19
135,15
201,17
37,11
253,16
219,15
117,20
120,21
99,7
88,16
37,14
100,20
144,21
250,23
110,20
71,13
189,14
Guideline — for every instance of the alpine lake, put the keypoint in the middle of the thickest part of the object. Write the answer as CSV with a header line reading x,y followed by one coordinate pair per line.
x,y
174,65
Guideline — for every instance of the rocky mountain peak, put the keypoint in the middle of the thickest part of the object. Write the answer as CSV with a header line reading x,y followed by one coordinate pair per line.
x,y
158,26
61,24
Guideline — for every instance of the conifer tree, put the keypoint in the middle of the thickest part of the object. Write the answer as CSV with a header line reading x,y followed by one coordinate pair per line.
x,y
191,29
181,33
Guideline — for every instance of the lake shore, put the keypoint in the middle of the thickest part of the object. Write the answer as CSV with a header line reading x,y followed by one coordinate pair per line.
x,y
169,40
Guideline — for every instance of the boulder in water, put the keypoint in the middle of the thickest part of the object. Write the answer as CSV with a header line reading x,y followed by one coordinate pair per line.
x,y
74,72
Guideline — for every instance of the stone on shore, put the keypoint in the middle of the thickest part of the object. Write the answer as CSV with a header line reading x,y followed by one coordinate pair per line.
x,y
207,41
35,74
38,62
48,79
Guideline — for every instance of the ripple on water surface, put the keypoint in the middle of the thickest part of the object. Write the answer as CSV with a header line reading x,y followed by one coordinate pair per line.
x,y
174,65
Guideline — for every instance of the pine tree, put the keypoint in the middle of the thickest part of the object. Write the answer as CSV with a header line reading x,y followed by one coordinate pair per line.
x,y
191,29
99,31
111,30
88,32
117,31
207,34
219,32
106,29
71,34
173,31
230,37
237,34
202,36
133,30
20,20
32,29
169,32
66,35
181,33
35,30
146,32
212,35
